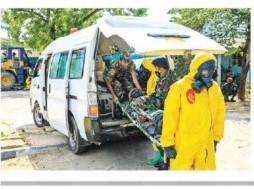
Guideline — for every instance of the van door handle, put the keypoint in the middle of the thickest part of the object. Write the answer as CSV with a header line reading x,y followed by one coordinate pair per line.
x,y
49,88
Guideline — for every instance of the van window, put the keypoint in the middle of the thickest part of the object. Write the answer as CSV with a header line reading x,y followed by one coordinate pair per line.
x,y
58,65
77,63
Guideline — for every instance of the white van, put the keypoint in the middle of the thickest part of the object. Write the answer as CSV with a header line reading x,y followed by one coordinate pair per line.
x,y
68,90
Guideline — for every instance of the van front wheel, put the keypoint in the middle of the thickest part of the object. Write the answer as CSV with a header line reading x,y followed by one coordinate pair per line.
x,y
75,142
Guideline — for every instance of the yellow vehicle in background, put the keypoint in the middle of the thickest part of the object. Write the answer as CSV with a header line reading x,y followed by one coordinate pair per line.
x,y
15,65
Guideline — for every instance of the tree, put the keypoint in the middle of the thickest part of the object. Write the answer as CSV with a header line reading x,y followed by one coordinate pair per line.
x,y
36,28
127,12
224,26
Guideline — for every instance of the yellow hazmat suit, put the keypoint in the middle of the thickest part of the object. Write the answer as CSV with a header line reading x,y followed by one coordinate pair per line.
x,y
192,121
151,83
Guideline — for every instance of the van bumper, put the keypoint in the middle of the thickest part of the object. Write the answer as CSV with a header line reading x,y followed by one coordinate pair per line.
x,y
96,134
92,129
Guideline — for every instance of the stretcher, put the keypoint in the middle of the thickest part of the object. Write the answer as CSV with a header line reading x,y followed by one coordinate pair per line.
x,y
133,112
143,120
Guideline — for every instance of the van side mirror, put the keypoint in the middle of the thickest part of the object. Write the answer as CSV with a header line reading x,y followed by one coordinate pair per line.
x,y
31,73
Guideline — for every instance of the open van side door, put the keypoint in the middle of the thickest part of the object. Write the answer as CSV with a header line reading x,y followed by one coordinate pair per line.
x,y
56,92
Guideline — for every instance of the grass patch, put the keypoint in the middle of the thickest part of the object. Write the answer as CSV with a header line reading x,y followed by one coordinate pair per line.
x,y
3,135
22,135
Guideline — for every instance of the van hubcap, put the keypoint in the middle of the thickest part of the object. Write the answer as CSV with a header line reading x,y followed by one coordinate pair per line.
x,y
38,115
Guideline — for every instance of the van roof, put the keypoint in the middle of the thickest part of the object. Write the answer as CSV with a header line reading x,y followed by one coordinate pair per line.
x,y
71,40
142,35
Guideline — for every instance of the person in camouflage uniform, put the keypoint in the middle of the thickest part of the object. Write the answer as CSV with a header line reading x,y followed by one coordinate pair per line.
x,y
120,76
162,85
156,100
228,89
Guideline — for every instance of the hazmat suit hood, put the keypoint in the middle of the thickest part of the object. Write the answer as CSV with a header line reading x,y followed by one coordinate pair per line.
x,y
147,63
151,83
199,59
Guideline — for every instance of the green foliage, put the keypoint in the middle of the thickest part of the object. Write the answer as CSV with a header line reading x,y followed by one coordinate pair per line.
x,y
226,26
222,25
127,12
192,18
36,28
10,42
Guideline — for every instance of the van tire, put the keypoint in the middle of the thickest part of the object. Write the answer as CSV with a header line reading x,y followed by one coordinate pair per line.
x,y
38,117
75,142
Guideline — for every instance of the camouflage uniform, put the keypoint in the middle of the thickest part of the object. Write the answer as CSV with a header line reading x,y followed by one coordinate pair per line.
x,y
181,68
228,89
151,103
161,91
121,78
157,98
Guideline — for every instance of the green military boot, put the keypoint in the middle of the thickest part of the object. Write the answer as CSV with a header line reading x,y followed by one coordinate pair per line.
x,y
156,159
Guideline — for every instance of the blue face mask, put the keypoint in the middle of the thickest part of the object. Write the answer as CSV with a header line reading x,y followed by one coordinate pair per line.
x,y
203,79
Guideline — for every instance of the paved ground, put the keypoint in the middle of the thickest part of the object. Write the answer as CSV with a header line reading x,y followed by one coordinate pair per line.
x,y
17,125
